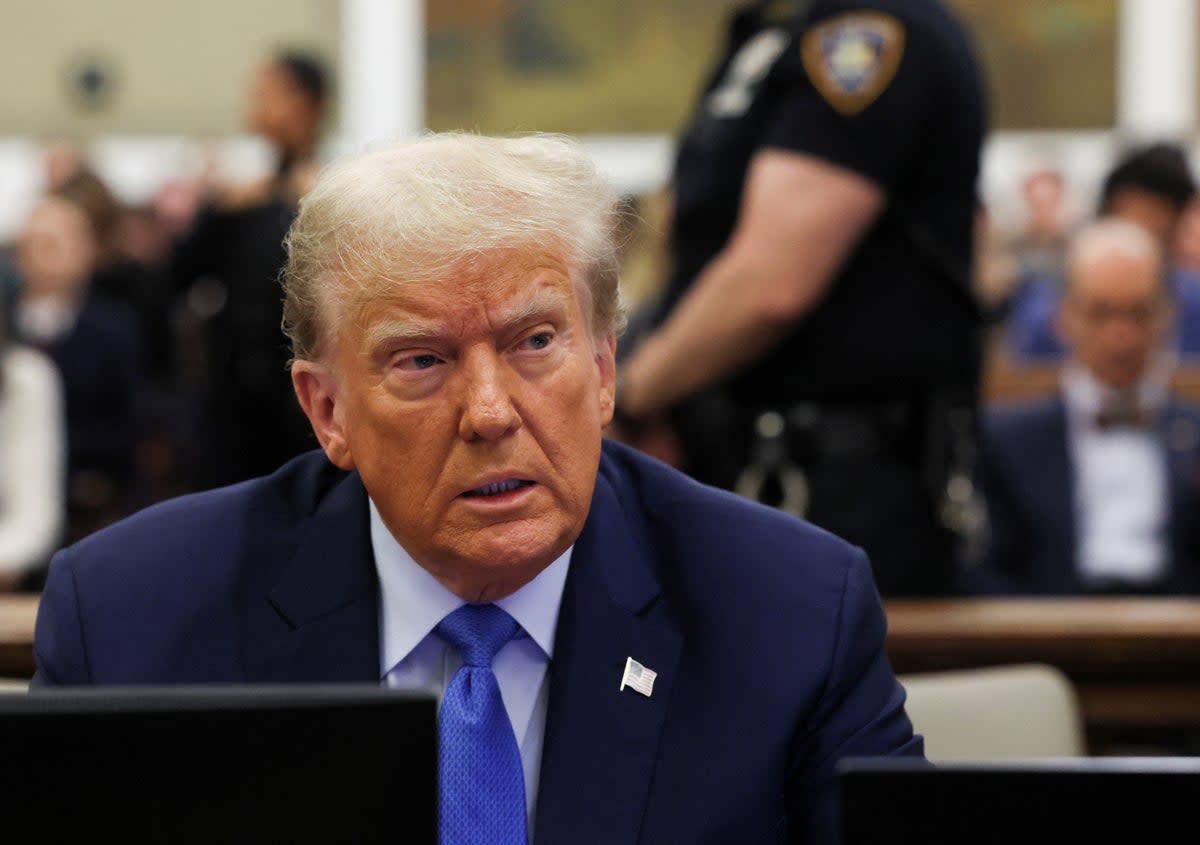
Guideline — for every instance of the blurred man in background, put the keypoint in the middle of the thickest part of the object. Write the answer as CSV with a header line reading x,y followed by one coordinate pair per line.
x,y
231,263
1096,489
1150,186
817,344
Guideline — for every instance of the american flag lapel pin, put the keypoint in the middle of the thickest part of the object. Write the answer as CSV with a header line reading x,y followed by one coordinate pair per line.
x,y
638,677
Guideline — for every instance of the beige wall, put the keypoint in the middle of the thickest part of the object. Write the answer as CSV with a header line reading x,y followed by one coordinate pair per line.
x,y
182,65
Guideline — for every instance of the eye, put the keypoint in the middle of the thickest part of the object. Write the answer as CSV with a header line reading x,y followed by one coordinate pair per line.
x,y
419,362
538,341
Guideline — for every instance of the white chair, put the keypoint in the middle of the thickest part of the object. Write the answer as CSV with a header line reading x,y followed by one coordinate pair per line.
x,y
1004,713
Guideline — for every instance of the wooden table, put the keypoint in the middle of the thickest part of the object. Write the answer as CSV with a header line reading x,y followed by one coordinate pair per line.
x,y
17,615
1135,662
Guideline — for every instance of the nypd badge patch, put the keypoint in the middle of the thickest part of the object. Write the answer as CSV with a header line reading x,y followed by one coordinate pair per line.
x,y
852,58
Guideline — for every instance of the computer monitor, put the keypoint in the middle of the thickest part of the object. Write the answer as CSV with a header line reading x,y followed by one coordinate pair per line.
x,y
1096,800
219,764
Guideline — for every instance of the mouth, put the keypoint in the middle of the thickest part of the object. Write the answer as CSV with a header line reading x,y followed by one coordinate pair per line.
x,y
498,489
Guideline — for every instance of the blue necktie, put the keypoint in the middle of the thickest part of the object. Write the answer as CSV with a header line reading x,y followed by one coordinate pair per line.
x,y
482,783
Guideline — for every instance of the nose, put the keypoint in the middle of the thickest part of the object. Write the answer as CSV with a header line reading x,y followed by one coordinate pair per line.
x,y
1124,336
488,410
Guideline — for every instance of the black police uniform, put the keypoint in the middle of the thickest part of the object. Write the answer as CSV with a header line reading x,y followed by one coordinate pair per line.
x,y
888,89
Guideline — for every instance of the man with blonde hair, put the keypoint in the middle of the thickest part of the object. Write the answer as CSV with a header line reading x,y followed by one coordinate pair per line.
x,y
624,655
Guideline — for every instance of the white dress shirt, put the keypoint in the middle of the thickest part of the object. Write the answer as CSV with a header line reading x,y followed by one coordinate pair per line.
x,y
32,459
1121,477
45,320
411,655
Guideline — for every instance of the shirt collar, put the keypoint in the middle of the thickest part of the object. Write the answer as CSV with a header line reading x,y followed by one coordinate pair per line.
x,y
1085,395
413,602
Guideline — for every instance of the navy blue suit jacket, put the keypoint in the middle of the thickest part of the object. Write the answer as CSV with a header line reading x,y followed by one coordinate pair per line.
x,y
1027,476
767,635
100,360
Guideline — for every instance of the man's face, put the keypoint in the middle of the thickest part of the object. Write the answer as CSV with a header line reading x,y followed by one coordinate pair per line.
x,y
1044,199
278,109
472,407
1114,315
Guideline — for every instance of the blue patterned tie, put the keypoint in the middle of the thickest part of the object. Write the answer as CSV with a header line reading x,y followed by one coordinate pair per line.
x,y
482,784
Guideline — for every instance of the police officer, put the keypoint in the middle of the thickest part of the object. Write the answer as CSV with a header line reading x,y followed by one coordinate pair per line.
x,y
821,247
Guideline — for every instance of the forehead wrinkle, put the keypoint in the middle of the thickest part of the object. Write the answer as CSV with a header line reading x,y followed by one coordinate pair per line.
x,y
352,299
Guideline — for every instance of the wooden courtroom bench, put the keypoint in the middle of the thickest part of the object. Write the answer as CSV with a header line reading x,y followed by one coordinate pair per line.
x,y
17,615
1135,662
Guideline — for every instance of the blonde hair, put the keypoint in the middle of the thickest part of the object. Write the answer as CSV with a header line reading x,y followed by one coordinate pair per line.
x,y
412,212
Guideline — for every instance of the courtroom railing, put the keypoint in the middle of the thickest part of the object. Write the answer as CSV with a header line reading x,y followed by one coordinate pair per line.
x,y
1135,662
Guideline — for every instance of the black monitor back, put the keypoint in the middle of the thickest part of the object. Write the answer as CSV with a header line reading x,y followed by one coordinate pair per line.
x,y
219,764
1142,800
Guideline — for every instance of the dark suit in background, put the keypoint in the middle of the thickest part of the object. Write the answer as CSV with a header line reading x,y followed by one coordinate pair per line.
x,y
1028,476
249,422
101,362
767,635
100,359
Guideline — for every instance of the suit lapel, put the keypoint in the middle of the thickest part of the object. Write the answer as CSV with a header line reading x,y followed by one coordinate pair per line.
x,y
1180,434
319,620
601,743
1059,475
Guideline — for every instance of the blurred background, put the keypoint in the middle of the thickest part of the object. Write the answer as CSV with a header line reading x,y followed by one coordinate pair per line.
x,y
155,93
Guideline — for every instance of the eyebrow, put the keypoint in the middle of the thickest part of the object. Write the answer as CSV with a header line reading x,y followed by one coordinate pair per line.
x,y
542,303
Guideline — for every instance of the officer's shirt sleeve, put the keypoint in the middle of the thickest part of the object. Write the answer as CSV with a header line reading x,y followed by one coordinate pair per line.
x,y
855,90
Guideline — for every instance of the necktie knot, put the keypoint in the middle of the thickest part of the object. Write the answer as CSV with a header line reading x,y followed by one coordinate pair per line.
x,y
478,631
1123,411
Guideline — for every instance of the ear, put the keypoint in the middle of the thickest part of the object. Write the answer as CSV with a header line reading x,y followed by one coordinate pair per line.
x,y
606,362
1168,322
316,387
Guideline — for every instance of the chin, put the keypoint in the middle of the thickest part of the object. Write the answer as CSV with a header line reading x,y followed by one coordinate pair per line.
x,y
514,547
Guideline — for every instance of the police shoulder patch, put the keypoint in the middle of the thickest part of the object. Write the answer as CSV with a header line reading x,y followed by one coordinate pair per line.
x,y
851,58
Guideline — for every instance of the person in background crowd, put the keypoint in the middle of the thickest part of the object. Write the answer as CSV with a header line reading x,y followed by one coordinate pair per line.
x,y
1012,272
1040,247
32,458
453,306
94,343
1096,489
817,346
230,263
1151,186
